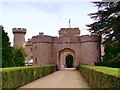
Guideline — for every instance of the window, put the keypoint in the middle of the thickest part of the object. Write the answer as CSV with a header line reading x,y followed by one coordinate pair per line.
x,y
35,47
30,49
35,60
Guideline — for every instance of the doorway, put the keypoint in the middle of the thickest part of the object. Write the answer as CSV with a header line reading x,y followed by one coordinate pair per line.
x,y
69,61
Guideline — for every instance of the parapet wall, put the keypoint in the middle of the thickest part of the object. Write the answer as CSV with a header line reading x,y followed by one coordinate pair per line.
x,y
19,30
42,38
29,43
69,32
89,38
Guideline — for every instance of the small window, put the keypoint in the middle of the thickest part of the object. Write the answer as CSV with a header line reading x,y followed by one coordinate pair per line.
x,y
30,49
97,59
35,60
35,47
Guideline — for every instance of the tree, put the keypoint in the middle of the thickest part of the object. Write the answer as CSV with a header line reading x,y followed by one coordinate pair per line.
x,y
107,25
19,56
7,53
11,56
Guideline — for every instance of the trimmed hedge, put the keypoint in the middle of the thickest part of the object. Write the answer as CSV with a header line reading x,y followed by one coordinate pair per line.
x,y
101,77
15,77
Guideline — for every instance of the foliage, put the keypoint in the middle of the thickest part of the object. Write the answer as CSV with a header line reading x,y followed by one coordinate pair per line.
x,y
5,38
11,56
107,25
101,77
15,77
115,64
19,56
7,51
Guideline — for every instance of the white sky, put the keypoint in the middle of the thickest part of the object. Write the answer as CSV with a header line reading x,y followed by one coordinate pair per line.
x,y
47,17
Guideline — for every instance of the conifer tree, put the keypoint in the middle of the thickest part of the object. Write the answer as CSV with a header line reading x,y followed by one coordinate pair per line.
x,y
107,25
7,50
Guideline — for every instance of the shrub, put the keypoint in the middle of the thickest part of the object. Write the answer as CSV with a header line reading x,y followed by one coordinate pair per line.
x,y
114,64
101,77
17,76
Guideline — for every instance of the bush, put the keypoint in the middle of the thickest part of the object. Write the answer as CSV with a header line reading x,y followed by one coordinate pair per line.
x,y
114,64
17,76
101,77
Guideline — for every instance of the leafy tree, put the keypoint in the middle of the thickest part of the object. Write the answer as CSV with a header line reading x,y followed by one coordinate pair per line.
x,y
19,56
11,56
7,53
107,25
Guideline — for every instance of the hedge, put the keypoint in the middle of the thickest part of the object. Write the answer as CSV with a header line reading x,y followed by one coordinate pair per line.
x,y
101,77
15,77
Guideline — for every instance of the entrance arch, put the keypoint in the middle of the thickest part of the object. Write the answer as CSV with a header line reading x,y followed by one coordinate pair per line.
x,y
69,61
66,56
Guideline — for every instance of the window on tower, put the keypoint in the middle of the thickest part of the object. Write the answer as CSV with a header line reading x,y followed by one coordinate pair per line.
x,y
30,49
35,60
35,47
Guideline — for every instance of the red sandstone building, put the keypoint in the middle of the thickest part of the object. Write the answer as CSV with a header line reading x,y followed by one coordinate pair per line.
x,y
68,50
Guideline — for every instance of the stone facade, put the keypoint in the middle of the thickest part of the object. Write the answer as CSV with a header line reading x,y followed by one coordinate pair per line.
x,y
69,49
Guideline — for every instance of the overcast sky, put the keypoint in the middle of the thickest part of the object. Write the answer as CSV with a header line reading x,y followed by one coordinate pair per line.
x,y
47,17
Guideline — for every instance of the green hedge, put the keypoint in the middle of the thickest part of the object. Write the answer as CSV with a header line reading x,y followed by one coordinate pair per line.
x,y
101,77
15,77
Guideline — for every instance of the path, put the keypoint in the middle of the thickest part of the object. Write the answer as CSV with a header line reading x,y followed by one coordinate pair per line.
x,y
66,78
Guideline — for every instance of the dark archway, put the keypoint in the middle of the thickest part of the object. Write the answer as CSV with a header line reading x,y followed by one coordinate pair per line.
x,y
69,61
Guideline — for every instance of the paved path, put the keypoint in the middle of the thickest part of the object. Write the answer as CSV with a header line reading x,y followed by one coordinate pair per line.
x,y
67,78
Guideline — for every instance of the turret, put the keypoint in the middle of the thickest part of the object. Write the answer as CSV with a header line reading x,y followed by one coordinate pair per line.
x,y
19,36
90,49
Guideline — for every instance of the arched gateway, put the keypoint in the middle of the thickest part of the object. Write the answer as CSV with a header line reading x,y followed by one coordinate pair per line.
x,y
66,58
69,61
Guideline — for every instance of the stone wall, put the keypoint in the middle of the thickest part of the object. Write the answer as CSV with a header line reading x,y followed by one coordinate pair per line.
x,y
69,32
42,53
90,49
29,50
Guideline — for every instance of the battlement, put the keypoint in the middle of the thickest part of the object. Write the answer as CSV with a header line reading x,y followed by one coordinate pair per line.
x,y
69,29
19,30
89,38
42,38
29,42
63,32
41,33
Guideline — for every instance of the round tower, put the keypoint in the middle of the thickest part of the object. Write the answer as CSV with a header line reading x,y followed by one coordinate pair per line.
x,y
19,36
90,49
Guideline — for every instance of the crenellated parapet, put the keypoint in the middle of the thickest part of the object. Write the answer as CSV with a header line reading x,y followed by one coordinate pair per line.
x,y
29,43
41,38
19,36
89,38
19,30
70,32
